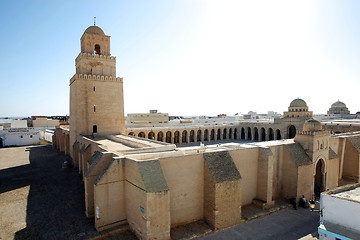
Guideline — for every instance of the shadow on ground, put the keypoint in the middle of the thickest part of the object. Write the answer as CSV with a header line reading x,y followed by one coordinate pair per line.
x,y
55,204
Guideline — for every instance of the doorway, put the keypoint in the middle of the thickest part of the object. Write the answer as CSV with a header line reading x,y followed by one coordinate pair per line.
x,y
319,178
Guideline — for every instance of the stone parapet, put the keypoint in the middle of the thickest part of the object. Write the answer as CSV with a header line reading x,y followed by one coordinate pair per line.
x,y
99,56
95,77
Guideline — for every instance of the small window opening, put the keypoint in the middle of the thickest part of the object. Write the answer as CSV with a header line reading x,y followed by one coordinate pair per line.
x,y
94,128
94,88
94,108
30,136
21,136
97,49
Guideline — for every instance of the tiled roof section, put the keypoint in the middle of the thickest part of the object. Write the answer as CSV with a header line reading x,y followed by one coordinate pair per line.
x,y
332,154
95,158
152,176
355,141
222,166
298,154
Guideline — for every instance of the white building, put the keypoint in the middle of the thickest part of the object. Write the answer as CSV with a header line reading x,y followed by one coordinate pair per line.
x,y
340,213
19,137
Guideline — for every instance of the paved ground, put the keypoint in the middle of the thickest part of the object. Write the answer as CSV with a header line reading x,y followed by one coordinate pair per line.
x,y
41,200
287,224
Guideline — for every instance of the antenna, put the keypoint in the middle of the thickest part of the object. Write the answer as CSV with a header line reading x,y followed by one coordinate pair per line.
x,y
94,21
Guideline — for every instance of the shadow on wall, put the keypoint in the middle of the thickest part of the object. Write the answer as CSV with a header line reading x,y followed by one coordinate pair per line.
x,y
55,205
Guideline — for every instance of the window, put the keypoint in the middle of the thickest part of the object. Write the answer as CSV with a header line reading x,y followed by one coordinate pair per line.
x,y
94,88
97,49
94,128
94,108
21,136
30,136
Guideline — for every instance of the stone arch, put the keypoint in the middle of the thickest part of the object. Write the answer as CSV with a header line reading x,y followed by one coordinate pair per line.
x,y
151,135
212,135
262,134
218,134
206,135
131,134
192,136
235,133
249,135
97,49
177,137
141,134
184,137
242,134
160,136
256,134
277,134
319,173
224,134
1,143
271,134
291,131
168,137
198,135
230,133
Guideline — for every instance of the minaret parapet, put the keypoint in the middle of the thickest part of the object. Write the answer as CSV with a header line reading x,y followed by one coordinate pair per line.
x,y
96,77
92,55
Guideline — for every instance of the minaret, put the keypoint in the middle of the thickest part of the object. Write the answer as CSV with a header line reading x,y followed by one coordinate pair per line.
x,y
96,94
314,140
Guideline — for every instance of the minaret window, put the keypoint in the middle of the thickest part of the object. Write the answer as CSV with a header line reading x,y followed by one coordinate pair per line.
x,y
94,128
97,49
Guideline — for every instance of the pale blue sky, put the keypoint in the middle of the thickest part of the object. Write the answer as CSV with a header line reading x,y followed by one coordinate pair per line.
x,y
186,57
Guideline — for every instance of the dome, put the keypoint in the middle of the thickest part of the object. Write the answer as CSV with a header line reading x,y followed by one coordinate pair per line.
x,y
338,104
312,125
298,103
94,30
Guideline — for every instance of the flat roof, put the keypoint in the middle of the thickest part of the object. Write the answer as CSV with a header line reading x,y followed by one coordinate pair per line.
x,y
351,195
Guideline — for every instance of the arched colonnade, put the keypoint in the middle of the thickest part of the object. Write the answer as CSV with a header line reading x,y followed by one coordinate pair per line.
x,y
207,134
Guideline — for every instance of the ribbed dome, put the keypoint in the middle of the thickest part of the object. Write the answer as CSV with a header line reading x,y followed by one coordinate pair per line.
x,y
338,104
94,30
312,125
298,103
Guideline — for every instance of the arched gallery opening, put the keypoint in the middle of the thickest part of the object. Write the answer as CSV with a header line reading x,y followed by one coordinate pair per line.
x,y
292,131
319,178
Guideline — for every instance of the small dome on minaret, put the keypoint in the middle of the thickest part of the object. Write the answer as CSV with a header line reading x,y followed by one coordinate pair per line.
x,y
94,30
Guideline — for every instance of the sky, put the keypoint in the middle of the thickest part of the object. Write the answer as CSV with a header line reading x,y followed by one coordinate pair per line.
x,y
186,57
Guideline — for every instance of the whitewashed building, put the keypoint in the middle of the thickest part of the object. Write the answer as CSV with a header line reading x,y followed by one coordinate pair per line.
x,y
19,137
340,213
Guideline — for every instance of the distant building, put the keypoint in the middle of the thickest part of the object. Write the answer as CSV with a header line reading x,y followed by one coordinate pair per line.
x,y
17,123
13,123
45,122
340,213
338,108
153,117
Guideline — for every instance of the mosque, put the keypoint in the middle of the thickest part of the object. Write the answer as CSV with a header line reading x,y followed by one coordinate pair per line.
x,y
141,177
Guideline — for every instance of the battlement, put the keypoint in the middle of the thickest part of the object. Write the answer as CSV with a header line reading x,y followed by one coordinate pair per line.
x,y
91,55
95,77
314,133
